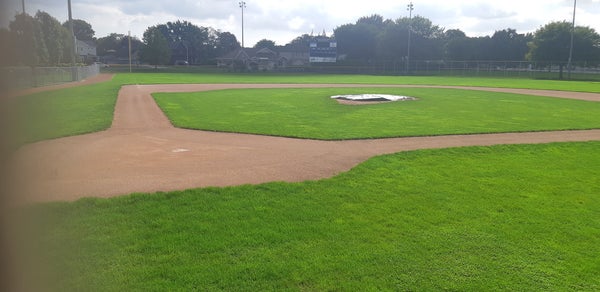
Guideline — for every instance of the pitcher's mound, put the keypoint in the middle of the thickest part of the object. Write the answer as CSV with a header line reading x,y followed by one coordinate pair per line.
x,y
357,99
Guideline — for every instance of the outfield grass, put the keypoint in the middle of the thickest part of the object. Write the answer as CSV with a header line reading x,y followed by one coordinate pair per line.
x,y
178,78
311,113
518,218
65,112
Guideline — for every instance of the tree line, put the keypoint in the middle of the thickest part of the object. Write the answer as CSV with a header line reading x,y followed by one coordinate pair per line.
x,y
42,40
182,40
374,38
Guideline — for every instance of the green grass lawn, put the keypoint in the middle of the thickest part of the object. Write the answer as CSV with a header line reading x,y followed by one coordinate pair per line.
x,y
518,218
514,217
311,113
178,78
64,112
87,109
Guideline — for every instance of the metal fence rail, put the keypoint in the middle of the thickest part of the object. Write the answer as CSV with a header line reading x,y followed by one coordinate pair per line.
x,y
462,68
14,78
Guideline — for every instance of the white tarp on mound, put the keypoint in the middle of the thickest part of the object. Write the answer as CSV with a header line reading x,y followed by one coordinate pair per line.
x,y
373,97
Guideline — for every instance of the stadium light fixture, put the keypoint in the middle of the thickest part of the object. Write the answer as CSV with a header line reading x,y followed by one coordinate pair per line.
x,y
243,6
410,8
572,39
74,50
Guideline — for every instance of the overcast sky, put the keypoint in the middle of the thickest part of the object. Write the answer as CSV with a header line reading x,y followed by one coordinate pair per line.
x,y
283,20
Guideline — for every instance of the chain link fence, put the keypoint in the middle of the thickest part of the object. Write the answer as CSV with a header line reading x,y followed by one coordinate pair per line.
x,y
537,70
14,78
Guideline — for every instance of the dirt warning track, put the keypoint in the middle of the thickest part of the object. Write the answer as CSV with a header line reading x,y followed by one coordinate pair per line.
x,y
143,152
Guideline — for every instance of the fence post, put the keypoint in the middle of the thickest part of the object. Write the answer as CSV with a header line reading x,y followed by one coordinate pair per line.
x,y
33,77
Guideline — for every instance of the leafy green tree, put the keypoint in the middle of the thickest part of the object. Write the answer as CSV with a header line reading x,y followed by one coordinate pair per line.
x,y
552,42
54,37
392,42
421,26
508,45
156,50
375,21
28,40
83,30
109,44
357,41
68,45
189,40
265,43
117,45
455,43
504,45
225,43
426,39
454,34
301,43
375,38
8,56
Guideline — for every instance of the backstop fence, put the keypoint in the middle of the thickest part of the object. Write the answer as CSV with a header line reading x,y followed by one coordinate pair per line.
x,y
14,78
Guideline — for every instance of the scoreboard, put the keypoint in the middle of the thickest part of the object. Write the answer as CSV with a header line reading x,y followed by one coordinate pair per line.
x,y
323,50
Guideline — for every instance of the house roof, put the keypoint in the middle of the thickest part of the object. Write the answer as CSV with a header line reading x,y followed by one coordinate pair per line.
x,y
249,53
235,54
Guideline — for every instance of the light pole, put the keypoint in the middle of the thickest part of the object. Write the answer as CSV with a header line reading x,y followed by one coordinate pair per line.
x,y
410,8
73,51
23,3
129,48
187,52
243,6
572,39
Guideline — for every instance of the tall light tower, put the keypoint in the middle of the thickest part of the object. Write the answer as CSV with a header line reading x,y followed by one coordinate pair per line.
x,y
243,6
572,39
74,50
410,8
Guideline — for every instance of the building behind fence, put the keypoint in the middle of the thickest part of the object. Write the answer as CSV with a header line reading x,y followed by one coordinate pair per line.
x,y
14,78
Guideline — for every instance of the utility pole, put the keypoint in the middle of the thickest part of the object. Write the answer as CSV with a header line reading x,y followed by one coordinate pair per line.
x,y
187,53
129,48
23,3
243,6
410,8
74,50
572,39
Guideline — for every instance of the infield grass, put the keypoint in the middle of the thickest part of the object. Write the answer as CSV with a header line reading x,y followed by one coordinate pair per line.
x,y
311,113
518,218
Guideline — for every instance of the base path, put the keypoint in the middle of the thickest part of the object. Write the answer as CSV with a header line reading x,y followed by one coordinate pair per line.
x,y
143,152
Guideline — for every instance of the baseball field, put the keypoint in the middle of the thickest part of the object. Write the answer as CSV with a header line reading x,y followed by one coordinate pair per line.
x,y
262,182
